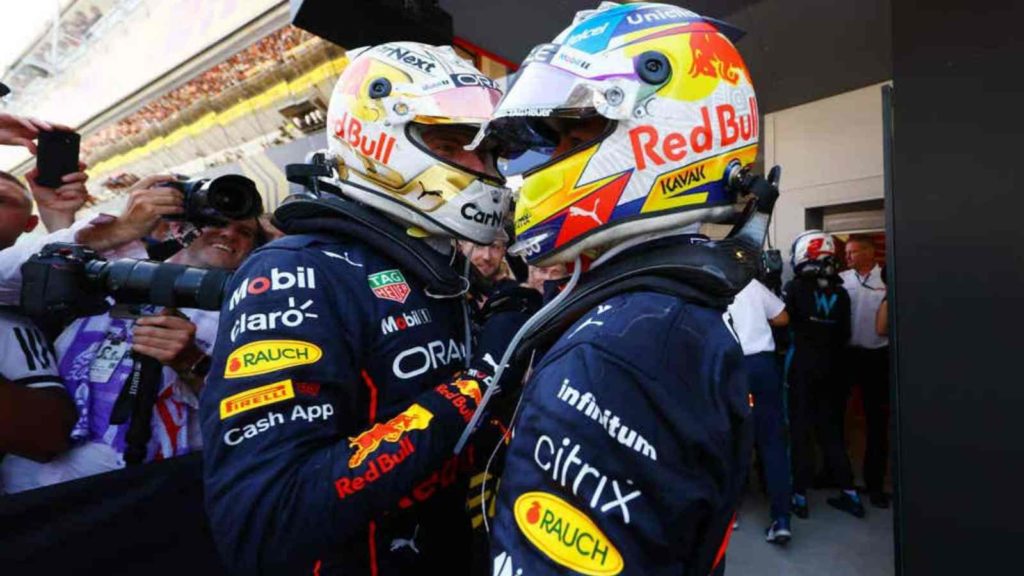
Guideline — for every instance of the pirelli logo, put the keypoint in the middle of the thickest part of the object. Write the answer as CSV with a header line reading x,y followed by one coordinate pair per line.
x,y
256,398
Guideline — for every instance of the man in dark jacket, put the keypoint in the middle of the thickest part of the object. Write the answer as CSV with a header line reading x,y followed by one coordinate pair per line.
x,y
819,311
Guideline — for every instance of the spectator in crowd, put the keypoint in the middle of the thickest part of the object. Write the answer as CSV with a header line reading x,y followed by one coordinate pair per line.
x,y
36,412
819,311
489,259
538,275
755,311
868,359
94,353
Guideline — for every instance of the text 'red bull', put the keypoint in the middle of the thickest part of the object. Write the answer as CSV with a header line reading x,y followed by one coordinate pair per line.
x,y
350,129
463,389
651,145
415,417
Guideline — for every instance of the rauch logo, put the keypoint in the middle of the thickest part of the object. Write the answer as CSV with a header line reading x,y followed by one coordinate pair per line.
x,y
265,356
566,535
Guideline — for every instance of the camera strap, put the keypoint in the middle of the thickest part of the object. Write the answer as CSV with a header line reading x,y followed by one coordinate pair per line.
x,y
135,405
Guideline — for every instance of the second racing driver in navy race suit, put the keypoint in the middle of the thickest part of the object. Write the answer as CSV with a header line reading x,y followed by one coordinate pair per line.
x,y
343,373
630,446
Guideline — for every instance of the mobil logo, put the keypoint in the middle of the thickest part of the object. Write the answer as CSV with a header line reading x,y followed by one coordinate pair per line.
x,y
654,146
377,146
301,277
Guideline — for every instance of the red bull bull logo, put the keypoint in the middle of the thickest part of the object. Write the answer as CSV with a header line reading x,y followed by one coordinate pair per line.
x,y
715,57
416,417
469,388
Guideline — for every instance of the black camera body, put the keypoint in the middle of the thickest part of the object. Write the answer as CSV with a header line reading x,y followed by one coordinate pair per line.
x,y
72,281
213,202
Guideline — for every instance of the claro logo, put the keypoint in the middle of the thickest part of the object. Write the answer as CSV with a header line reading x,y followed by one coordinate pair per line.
x,y
265,356
566,535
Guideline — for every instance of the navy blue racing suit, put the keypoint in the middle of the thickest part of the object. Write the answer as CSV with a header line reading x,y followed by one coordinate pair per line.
x,y
631,445
330,415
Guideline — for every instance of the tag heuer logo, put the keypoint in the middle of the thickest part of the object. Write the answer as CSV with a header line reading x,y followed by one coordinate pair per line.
x,y
389,285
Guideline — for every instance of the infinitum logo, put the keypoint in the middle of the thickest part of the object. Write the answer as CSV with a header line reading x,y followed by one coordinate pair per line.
x,y
623,434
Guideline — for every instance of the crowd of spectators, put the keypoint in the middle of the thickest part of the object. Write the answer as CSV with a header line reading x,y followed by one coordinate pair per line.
x,y
269,51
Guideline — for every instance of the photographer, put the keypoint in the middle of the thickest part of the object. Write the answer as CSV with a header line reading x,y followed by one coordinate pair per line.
x,y
94,353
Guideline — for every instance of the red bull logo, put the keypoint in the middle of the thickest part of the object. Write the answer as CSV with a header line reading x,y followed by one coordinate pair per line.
x,y
469,388
715,57
350,129
416,417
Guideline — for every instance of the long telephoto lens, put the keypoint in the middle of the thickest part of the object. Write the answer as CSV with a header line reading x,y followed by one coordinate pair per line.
x,y
146,282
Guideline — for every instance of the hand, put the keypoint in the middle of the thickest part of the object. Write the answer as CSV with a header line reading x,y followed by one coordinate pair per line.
x,y
18,131
148,201
58,206
169,338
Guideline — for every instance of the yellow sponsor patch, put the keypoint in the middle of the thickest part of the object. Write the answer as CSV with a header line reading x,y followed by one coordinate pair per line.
x,y
685,186
267,356
256,398
566,535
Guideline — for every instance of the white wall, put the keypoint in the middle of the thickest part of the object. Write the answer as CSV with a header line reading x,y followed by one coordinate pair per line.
x,y
830,151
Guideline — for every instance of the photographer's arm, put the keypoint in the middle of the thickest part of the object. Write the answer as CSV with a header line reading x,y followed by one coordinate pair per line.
x,y
104,233
147,203
34,422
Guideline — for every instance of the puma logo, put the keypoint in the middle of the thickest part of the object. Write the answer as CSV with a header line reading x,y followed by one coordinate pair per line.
x,y
343,256
592,214
410,543
430,193
587,322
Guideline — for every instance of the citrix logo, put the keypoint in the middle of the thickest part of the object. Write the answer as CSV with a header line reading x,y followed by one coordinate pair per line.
x,y
471,211
303,277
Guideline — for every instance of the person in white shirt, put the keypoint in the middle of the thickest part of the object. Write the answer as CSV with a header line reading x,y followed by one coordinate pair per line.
x,y
868,359
754,312
94,354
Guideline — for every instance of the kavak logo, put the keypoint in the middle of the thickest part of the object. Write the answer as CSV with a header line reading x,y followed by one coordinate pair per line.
x,y
566,535
256,398
389,285
264,356
415,417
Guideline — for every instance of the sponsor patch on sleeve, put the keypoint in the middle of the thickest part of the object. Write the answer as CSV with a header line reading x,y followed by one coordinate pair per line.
x,y
265,356
256,398
565,535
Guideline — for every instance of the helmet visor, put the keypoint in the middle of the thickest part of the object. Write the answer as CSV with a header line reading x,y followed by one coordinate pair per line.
x,y
448,142
463,104
533,143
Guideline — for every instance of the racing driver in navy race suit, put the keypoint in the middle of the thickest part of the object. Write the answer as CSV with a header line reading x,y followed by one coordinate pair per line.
x,y
630,445
342,376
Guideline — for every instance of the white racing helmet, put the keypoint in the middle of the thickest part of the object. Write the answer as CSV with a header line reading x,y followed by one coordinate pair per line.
x,y
400,117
